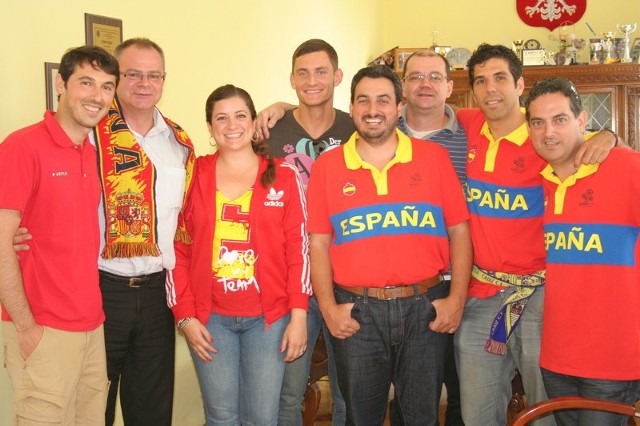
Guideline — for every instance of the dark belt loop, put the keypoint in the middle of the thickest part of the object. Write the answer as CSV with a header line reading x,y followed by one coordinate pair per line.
x,y
416,290
365,295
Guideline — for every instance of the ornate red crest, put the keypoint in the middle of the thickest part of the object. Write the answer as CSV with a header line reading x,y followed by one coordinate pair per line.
x,y
550,13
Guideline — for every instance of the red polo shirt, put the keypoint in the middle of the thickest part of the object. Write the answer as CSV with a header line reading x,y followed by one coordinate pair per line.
x,y
54,184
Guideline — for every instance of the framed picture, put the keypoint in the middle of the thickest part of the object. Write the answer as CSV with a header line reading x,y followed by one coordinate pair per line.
x,y
50,71
401,56
635,50
387,58
102,31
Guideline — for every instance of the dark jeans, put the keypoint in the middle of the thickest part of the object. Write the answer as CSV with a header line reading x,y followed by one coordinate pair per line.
x,y
296,376
453,415
394,345
615,390
140,342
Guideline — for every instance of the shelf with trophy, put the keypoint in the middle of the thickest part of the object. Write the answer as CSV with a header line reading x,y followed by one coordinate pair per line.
x,y
397,57
607,75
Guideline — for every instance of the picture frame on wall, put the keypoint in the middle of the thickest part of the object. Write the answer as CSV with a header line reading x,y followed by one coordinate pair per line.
x,y
635,50
401,56
50,72
102,31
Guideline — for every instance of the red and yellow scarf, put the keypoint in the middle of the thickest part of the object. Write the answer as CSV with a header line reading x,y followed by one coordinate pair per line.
x,y
128,186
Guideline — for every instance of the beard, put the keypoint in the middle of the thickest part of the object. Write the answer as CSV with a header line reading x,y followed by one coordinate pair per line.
x,y
376,137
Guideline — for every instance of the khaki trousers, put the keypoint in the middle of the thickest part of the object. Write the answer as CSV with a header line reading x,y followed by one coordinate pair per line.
x,y
62,382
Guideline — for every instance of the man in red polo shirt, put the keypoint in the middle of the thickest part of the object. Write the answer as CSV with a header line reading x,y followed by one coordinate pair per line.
x,y
590,332
387,218
51,304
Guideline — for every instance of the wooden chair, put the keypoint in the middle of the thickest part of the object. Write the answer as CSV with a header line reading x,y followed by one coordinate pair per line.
x,y
572,402
518,400
318,369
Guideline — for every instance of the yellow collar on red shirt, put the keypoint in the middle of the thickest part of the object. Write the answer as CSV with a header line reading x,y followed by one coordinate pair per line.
x,y
518,137
561,191
353,160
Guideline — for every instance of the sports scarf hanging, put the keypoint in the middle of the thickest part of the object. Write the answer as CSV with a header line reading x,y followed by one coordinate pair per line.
x,y
511,308
128,187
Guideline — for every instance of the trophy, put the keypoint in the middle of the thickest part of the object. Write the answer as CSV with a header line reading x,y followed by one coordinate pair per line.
x,y
625,30
596,46
606,46
517,45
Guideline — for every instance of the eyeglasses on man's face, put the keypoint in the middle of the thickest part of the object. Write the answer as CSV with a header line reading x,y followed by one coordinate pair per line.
x,y
154,77
433,77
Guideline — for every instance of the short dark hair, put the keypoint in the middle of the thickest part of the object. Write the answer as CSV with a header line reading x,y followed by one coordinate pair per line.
x,y
315,45
428,54
377,71
95,56
140,43
485,51
260,147
555,85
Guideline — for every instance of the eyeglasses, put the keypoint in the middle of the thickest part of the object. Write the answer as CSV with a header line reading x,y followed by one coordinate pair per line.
x,y
433,77
154,77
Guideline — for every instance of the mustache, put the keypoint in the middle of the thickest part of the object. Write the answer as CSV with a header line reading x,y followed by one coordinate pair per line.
x,y
96,104
373,116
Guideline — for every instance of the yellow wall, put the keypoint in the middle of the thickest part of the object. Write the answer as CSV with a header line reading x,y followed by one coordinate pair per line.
x,y
249,43
206,42
467,23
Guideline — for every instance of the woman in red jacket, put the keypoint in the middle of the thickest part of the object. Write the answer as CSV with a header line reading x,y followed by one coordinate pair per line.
x,y
241,279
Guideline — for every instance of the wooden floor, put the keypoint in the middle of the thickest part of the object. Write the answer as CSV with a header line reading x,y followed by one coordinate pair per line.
x,y
324,412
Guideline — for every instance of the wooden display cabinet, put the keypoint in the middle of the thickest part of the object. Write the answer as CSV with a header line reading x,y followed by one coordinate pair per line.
x,y
610,94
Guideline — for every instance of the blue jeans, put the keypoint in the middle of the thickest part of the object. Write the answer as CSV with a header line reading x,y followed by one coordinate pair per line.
x,y
485,378
615,390
394,345
242,383
296,376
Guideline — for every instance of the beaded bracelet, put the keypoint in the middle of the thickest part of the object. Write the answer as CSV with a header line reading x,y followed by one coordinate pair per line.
x,y
183,322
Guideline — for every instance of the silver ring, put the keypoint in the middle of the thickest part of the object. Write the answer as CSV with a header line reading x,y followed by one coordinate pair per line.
x,y
300,353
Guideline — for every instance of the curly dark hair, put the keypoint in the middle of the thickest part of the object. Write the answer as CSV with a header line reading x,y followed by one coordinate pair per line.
x,y
485,51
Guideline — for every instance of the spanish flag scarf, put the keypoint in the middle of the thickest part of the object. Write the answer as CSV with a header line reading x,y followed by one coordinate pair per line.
x,y
128,186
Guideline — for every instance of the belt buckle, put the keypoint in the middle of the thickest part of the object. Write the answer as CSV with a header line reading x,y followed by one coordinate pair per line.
x,y
384,293
135,282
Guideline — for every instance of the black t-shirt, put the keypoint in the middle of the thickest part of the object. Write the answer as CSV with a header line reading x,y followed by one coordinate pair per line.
x,y
289,140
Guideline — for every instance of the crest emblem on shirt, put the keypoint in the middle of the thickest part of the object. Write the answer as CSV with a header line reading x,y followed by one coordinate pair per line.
x,y
415,179
518,165
348,189
587,198
471,155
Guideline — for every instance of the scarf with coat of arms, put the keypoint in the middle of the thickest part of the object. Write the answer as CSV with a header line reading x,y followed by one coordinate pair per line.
x,y
128,186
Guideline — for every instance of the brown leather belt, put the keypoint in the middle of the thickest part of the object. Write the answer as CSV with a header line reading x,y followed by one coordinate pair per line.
x,y
396,291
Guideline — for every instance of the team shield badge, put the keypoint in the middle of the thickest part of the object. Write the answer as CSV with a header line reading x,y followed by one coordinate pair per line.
x,y
550,13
